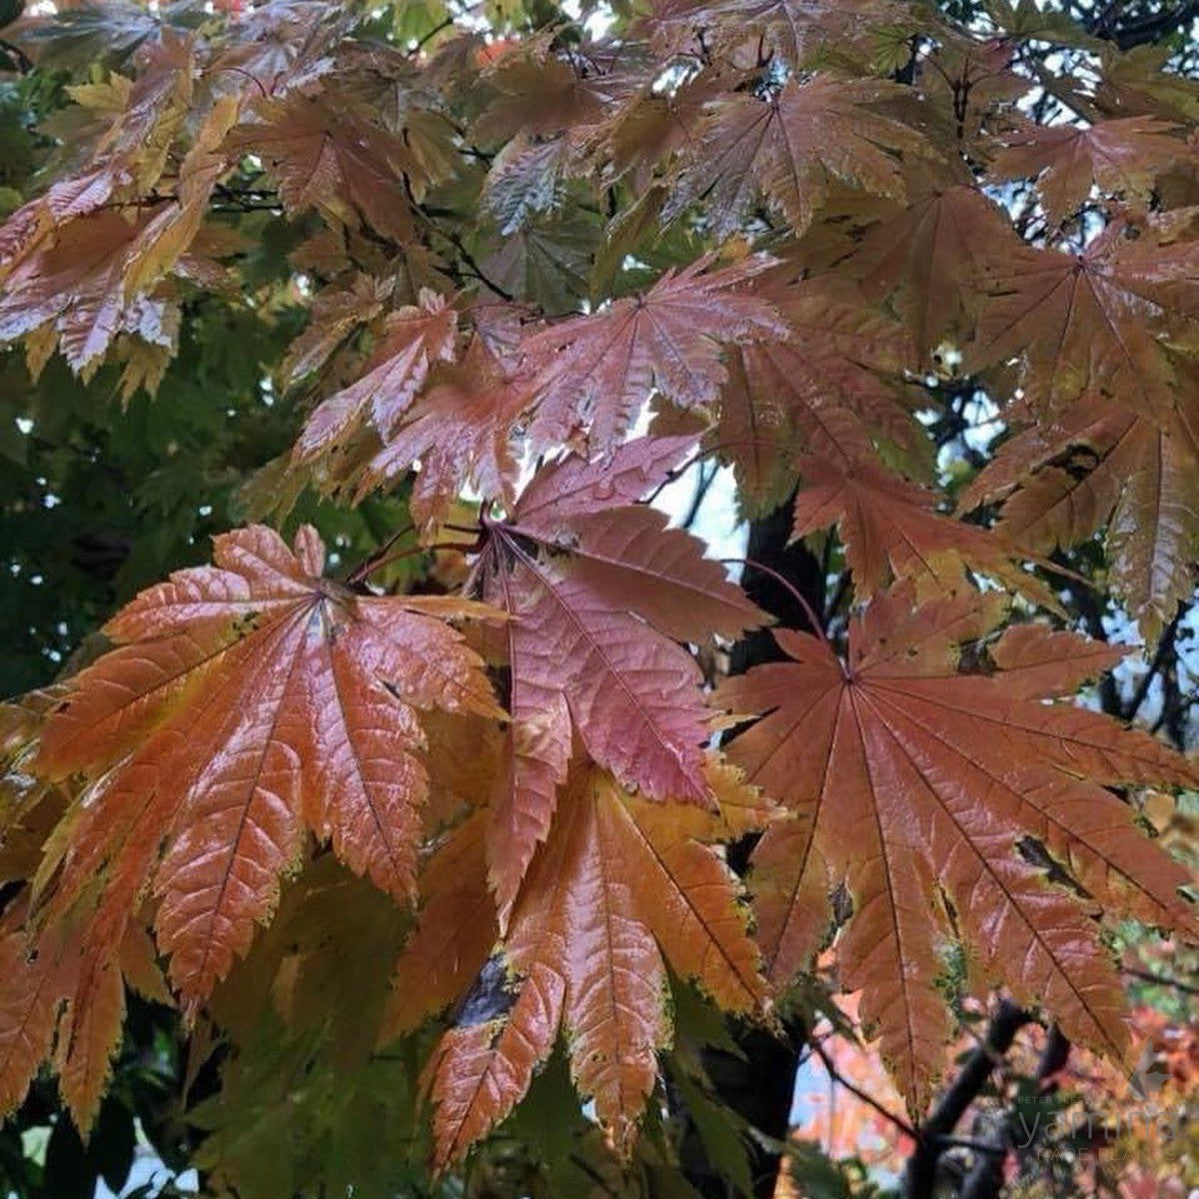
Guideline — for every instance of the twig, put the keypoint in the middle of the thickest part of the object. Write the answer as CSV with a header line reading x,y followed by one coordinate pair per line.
x,y
246,75
703,484
673,476
24,62
587,1168
428,37
986,1177
1162,980
457,243
411,552
1164,647
868,1099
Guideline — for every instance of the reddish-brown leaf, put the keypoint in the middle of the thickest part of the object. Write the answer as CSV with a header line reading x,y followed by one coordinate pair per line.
x,y
326,156
790,146
796,29
600,591
414,337
594,373
73,290
336,312
909,780
1106,466
1095,324
930,253
830,390
89,1036
1123,158
891,530
461,431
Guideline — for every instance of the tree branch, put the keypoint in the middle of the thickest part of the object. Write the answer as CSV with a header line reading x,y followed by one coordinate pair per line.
x,y
921,1174
985,1180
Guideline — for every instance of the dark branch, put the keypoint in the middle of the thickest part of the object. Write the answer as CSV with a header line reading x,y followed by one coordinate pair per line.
x,y
921,1174
985,1180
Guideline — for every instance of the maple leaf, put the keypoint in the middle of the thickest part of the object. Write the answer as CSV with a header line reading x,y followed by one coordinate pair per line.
x,y
537,92
327,156
29,1011
911,781
336,312
461,431
526,179
289,46
65,978
73,291
891,529
1107,466
753,432
967,84
790,145
1123,158
622,887
595,372
138,122
246,702
67,997
547,264
824,391
80,277
1097,323
647,132
139,119
89,1032
830,389
414,337
600,592
455,931
29,807
27,228
797,29
930,254
170,233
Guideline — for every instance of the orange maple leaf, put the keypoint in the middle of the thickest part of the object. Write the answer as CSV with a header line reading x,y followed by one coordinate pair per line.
x,y
622,887
1106,465
247,702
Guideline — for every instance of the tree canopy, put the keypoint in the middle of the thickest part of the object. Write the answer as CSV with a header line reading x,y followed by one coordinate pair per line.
x,y
401,792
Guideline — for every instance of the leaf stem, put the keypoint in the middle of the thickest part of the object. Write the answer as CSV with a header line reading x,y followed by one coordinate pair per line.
x,y
817,626
369,565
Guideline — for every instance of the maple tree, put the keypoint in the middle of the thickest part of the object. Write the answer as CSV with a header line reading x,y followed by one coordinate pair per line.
x,y
396,771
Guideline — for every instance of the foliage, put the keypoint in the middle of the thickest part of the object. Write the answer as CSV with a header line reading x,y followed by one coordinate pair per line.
x,y
435,797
